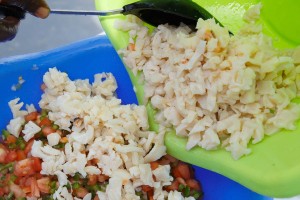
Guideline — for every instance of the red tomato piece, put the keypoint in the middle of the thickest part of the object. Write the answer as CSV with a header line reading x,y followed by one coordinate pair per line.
x,y
11,156
3,153
47,130
26,189
28,146
24,168
176,172
20,155
43,185
18,192
146,188
92,179
2,192
45,122
10,139
154,165
31,116
150,195
102,178
181,181
184,170
81,192
36,164
173,186
34,188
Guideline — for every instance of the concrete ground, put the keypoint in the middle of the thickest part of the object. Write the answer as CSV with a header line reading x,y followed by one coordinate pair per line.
x,y
36,35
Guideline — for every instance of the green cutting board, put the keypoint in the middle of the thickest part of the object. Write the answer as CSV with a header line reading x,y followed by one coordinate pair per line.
x,y
273,167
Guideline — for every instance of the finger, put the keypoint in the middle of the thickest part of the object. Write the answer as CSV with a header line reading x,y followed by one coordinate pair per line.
x,y
13,11
8,28
38,8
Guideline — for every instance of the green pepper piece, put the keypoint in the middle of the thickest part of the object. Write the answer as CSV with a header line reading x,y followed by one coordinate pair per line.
x,y
186,191
75,185
5,134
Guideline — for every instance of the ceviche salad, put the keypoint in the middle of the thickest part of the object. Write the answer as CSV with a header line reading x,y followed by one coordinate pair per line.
x,y
83,144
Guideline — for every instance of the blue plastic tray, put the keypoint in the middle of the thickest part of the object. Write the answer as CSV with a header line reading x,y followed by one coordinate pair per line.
x,y
82,60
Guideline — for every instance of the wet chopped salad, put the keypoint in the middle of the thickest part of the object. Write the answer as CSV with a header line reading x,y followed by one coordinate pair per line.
x,y
84,144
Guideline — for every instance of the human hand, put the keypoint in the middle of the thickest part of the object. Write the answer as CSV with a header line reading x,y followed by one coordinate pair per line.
x,y
10,18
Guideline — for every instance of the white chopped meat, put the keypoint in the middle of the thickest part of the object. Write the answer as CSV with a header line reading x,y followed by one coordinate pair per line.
x,y
205,84
30,130
15,126
162,173
83,137
30,108
115,136
92,170
102,195
62,178
87,196
117,180
62,193
146,177
15,108
53,139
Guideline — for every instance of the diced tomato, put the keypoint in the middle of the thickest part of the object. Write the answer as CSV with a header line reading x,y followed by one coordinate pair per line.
x,y
150,195
28,146
6,189
36,164
181,181
154,165
38,176
94,161
34,188
146,188
176,172
10,139
24,168
11,156
18,192
92,179
2,192
173,186
102,178
3,153
43,185
21,181
81,192
164,161
184,171
193,184
17,181
47,130
26,189
45,122
31,116
170,158
20,155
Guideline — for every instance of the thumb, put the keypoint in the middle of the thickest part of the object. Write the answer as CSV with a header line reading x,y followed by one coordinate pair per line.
x,y
8,28
38,8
